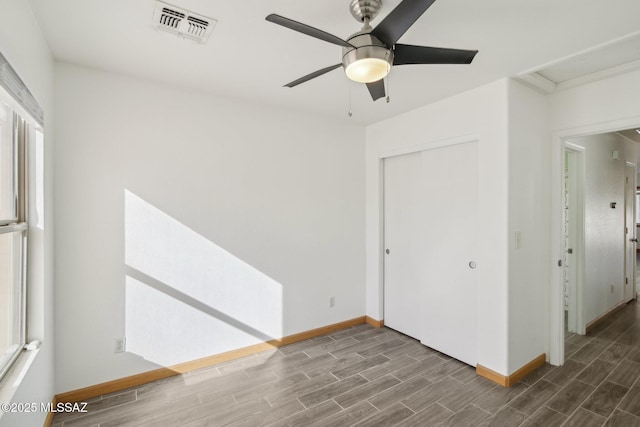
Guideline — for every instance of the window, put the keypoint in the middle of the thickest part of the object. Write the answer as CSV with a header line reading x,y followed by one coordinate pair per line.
x,y
13,236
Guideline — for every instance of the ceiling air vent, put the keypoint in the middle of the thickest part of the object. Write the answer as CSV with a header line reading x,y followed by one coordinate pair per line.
x,y
182,22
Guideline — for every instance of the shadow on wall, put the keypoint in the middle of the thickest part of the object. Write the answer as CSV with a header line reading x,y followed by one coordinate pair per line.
x,y
187,298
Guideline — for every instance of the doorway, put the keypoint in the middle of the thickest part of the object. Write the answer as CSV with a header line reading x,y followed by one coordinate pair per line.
x,y
596,246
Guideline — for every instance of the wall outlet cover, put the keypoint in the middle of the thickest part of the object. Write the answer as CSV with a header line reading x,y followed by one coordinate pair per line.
x,y
119,346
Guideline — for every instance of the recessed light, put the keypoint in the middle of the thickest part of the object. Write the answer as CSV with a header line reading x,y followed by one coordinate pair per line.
x,y
638,130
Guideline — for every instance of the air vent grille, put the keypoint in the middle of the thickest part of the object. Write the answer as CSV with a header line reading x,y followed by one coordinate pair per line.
x,y
170,18
197,27
182,22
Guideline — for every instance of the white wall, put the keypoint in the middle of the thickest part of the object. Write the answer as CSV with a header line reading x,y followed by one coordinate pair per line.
x,y
529,202
601,104
196,224
22,43
604,226
482,114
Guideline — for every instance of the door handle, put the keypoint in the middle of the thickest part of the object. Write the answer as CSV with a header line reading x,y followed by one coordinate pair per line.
x,y
635,240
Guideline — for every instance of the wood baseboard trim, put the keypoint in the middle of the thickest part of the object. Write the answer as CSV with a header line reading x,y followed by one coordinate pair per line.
x,y
508,381
97,390
373,322
317,332
527,369
491,375
161,373
595,322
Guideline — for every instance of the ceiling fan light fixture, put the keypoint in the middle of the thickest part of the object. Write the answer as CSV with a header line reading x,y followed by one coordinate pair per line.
x,y
367,64
367,70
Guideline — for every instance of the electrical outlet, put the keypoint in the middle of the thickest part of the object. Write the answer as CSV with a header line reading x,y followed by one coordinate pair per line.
x,y
119,345
332,301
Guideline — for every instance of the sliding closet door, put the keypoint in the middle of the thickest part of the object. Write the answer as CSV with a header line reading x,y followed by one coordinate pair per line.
x,y
431,211
403,207
450,271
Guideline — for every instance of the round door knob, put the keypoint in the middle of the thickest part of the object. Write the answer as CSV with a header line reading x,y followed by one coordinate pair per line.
x,y
387,251
472,265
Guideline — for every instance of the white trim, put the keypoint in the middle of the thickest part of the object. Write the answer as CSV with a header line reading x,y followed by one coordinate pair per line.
x,y
13,85
580,53
574,147
579,244
12,380
597,128
428,146
533,77
6,98
538,81
381,237
598,75
630,253
556,309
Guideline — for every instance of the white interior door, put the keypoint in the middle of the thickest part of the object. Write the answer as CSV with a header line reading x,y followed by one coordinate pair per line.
x,y
630,231
403,207
450,234
431,211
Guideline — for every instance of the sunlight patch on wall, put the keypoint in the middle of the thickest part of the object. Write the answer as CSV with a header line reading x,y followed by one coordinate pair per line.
x,y
167,331
186,297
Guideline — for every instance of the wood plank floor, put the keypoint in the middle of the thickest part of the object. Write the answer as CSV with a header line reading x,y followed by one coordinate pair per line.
x,y
377,377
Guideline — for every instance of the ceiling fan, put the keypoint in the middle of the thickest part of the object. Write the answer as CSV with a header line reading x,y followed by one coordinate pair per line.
x,y
369,54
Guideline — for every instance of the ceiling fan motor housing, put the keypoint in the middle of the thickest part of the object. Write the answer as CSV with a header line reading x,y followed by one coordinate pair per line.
x,y
361,9
367,49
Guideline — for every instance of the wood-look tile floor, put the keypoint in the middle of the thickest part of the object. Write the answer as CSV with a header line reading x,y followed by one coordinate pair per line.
x,y
377,377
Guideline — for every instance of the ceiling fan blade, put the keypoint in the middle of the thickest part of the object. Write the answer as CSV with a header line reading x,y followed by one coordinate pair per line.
x,y
409,54
305,29
313,75
398,21
376,89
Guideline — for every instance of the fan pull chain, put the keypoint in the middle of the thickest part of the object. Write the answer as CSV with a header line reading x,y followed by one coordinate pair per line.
x,y
388,87
349,113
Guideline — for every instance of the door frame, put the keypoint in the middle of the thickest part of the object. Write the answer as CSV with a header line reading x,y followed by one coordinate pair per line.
x,y
579,245
556,309
631,279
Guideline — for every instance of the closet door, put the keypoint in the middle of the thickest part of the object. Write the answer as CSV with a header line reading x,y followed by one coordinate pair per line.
x,y
431,211
403,207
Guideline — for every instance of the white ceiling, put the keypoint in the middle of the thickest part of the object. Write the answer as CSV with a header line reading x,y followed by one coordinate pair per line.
x,y
250,59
